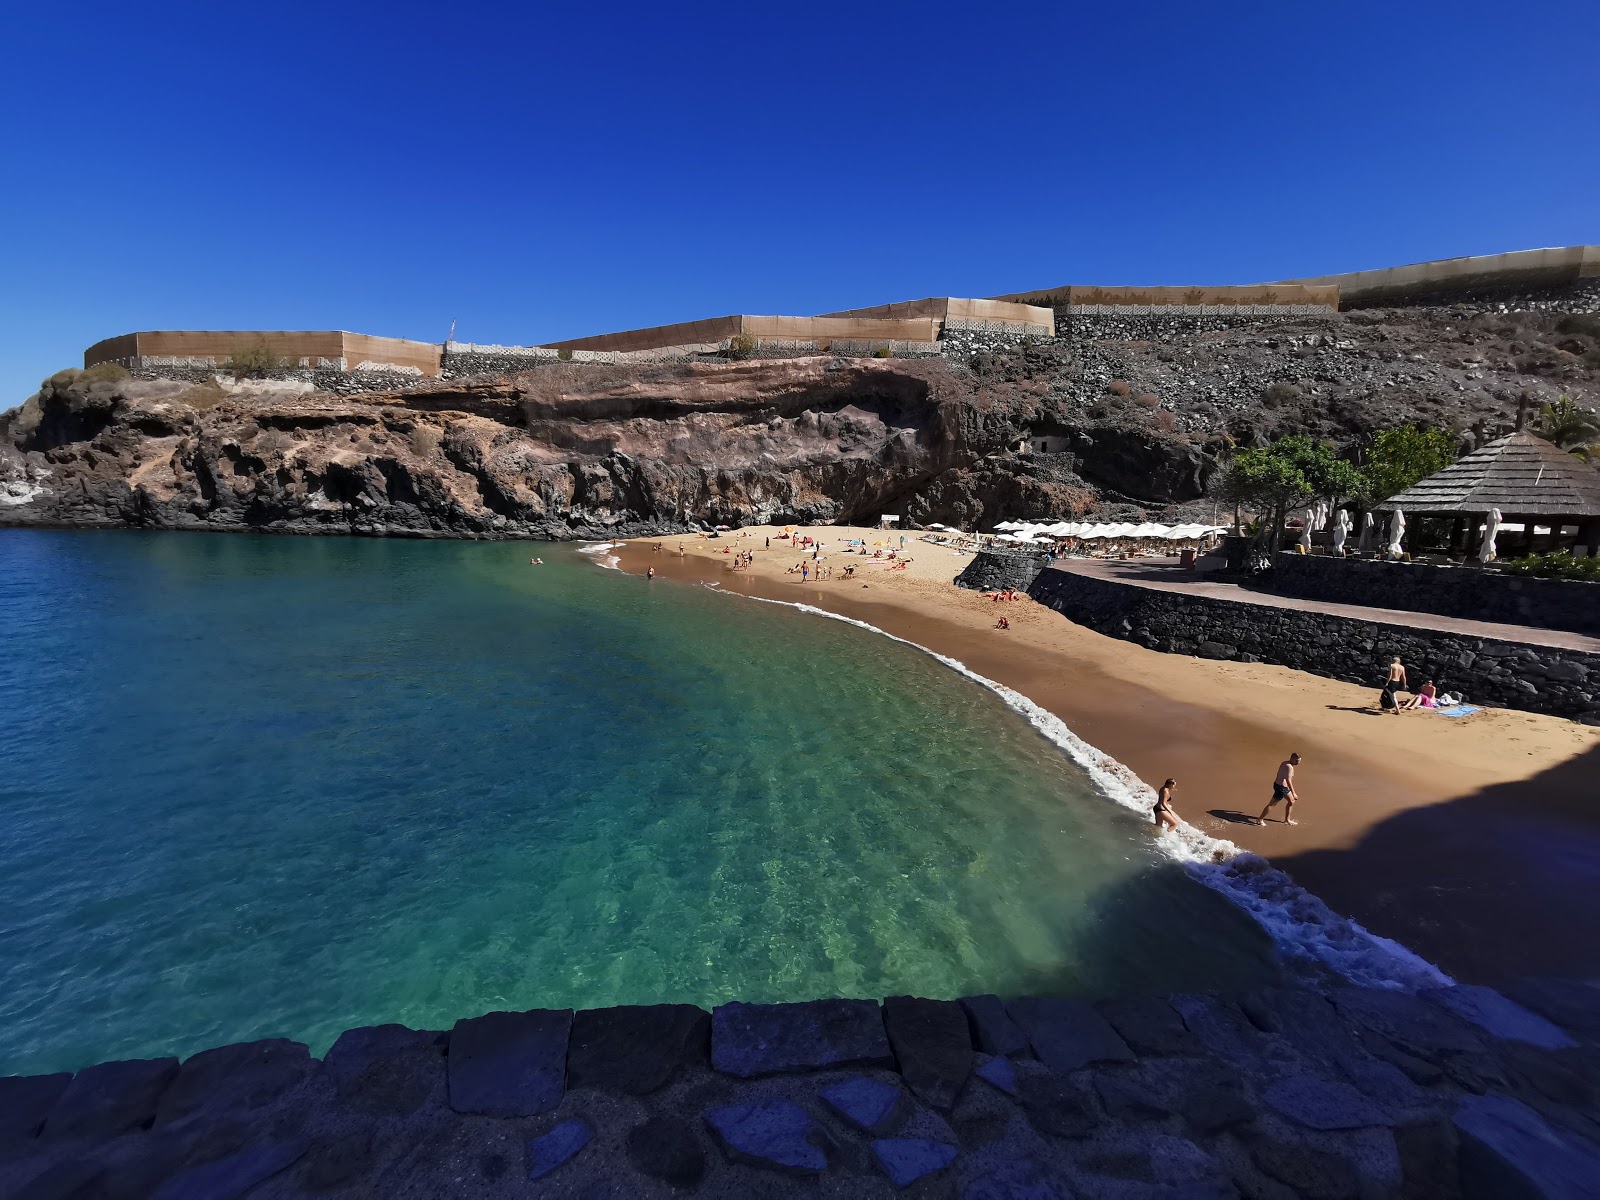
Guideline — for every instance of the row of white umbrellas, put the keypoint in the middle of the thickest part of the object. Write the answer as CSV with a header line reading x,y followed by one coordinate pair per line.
x,y
1026,531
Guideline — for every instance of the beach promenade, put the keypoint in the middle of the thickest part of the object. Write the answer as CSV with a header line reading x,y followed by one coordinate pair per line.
x,y
1473,841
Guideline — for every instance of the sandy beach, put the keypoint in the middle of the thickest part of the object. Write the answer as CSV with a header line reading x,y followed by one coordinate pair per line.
x,y
1472,841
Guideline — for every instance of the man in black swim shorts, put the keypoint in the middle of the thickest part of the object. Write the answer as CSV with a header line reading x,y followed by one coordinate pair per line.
x,y
1283,790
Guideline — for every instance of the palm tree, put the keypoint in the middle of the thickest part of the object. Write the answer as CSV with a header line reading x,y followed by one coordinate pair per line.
x,y
1568,425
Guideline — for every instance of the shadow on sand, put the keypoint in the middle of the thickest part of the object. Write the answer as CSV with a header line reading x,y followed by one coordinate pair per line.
x,y
1501,883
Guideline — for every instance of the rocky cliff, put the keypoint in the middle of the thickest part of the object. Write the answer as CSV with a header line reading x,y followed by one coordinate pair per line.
x,y
1128,423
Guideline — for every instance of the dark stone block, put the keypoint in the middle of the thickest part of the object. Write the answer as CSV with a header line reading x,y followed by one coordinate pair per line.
x,y
932,1043
1067,1034
506,1064
1509,1151
246,1076
763,1039
775,1134
1056,1107
1405,1018
1570,1003
25,1101
906,1160
870,1105
110,1098
1315,1174
388,1070
636,1049
63,1181
665,1148
999,1071
993,1030
1428,1160
1149,1025
1221,1026
1130,1096
1323,1104
547,1153
1213,1101
230,1177
1502,1018
1016,1179
335,1163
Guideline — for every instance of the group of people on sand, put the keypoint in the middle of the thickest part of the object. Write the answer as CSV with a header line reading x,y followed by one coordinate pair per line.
x,y
1165,816
1003,594
809,571
1427,696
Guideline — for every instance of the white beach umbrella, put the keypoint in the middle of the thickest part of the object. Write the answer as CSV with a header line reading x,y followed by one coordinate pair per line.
x,y
1365,543
1397,530
1148,529
1491,530
1341,530
1307,521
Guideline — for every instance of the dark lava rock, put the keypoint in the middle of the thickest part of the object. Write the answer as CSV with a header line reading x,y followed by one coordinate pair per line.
x,y
1570,1003
547,1153
1068,1034
1131,1096
636,1049
1508,1150
1213,1101
1220,1025
227,1178
906,1160
1016,1179
1429,1162
68,1180
762,1039
665,1148
993,1030
334,1164
1489,1010
775,1134
1315,1174
506,1064
1149,1025
1057,1107
388,1070
999,1071
107,1099
933,1045
871,1105
25,1101
1405,1018
245,1076
1322,1103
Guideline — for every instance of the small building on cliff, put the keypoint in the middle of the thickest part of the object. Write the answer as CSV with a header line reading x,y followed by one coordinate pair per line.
x,y
332,350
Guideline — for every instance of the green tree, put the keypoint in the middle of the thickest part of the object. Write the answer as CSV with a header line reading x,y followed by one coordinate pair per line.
x,y
1568,425
256,360
1399,457
1287,474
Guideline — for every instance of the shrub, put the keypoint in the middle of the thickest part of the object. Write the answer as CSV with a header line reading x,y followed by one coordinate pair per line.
x,y
883,352
1167,422
1557,564
106,372
564,355
1276,395
254,361
1148,400
741,345
1120,387
1588,323
202,395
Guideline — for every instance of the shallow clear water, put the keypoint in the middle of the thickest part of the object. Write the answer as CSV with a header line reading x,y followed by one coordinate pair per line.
x,y
254,787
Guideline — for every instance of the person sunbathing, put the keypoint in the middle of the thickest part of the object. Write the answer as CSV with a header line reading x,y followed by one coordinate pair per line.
x,y
1426,698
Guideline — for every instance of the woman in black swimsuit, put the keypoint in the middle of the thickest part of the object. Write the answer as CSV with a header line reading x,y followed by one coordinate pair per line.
x,y
1163,815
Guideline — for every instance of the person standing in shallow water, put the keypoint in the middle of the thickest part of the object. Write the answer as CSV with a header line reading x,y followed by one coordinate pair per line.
x,y
1164,816
1283,789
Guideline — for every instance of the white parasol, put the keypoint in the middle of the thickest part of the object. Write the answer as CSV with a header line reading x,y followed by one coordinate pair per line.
x,y
1397,530
1365,544
1305,528
1490,531
1341,531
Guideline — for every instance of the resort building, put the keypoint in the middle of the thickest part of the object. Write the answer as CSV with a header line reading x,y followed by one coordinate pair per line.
x,y
333,350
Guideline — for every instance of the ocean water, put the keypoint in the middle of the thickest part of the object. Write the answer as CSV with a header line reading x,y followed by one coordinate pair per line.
x,y
256,787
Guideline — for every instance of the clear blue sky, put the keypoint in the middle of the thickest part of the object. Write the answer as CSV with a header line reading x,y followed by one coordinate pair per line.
x,y
546,171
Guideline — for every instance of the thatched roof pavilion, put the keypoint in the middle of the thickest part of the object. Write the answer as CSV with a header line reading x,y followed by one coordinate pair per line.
x,y
1527,478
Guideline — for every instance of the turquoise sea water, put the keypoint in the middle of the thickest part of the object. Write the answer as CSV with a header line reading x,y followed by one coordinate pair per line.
x,y
254,787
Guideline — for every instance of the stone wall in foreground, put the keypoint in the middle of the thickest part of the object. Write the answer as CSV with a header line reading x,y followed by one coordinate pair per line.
x,y
1542,679
1275,1093
988,571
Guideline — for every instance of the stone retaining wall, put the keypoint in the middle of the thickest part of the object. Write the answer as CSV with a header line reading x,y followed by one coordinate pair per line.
x,y
1472,592
1541,679
1277,1093
988,571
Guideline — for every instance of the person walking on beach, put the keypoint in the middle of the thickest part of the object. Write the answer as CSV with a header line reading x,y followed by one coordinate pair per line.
x,y
1164,816
1396,683
1283,789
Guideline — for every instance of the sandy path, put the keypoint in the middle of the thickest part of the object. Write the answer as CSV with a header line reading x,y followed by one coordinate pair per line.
x,y
1404,822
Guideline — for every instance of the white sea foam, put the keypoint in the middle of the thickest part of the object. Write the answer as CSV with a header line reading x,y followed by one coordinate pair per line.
x,y
1310,935
609,561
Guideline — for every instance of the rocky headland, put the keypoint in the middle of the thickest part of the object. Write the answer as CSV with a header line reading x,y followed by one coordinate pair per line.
x,y
1113,419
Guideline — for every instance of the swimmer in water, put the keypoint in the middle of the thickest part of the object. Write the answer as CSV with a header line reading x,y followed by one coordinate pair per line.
x,y
650,574
536,562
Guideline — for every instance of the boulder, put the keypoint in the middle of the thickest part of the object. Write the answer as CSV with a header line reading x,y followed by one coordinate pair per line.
x,y
110,1098
233,1176
748,1040
509,1064
25,1101
906,1160
1068,1034
774,1134
235,1078
932,1043
1509,1152
1149,1025
871,1105
636,1049
1489,1010
1323,1104
993,1030
387,1070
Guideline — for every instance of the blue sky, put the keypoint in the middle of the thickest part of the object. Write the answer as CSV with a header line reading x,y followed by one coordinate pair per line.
x,y
547,171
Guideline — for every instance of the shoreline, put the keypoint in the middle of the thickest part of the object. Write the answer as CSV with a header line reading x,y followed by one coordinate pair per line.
x,y
1404,823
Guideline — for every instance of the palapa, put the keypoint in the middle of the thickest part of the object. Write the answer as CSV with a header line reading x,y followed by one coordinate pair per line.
x,y
1519,473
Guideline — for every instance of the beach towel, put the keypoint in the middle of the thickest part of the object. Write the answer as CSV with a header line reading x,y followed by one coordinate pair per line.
x,y
1459,710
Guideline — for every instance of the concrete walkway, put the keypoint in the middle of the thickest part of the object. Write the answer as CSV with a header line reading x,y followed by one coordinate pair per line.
x,y
1164,575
